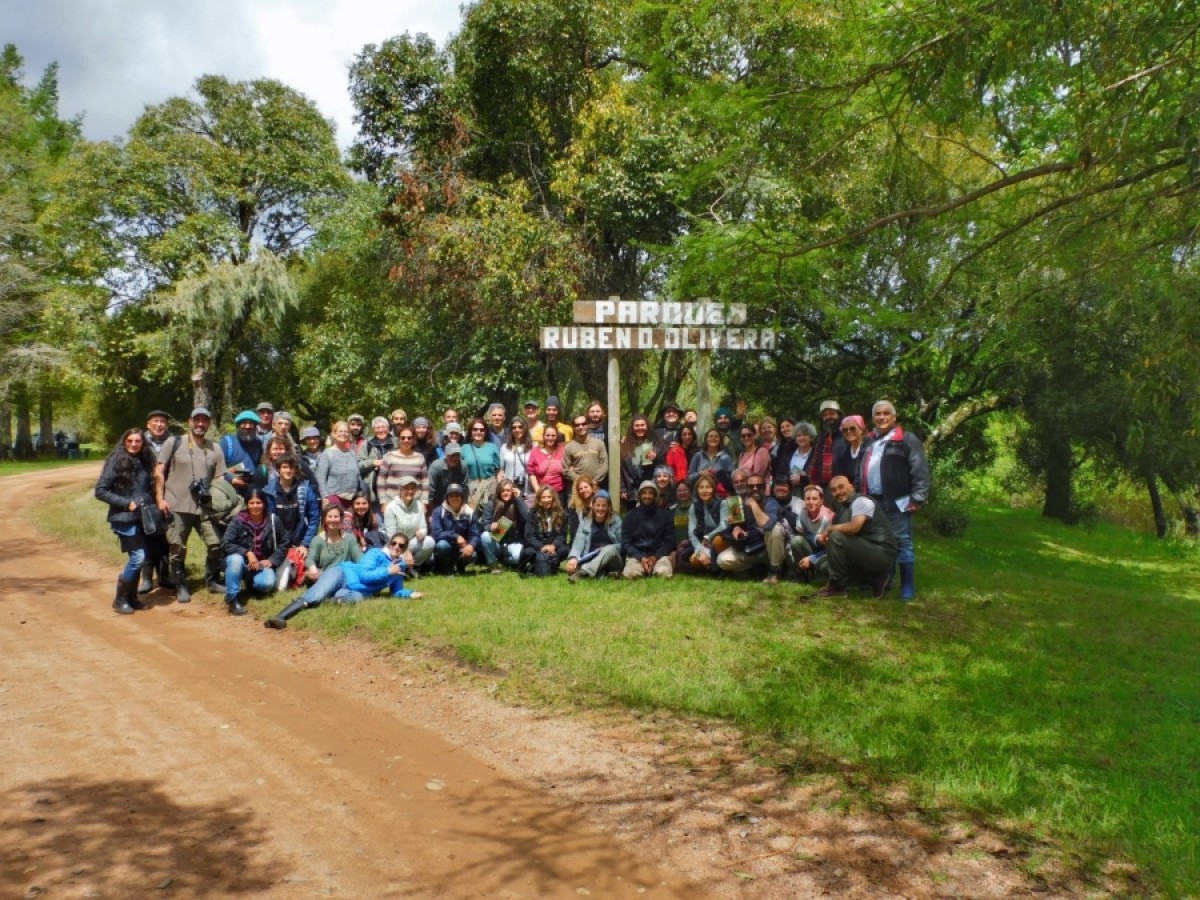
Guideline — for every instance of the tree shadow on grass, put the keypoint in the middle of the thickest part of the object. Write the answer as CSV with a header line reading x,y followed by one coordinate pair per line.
x,y
127,838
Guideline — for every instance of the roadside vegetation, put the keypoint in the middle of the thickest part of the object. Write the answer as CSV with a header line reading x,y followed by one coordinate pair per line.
x,y
1044,683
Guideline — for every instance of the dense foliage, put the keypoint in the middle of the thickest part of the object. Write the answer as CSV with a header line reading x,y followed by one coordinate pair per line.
x,y
971,208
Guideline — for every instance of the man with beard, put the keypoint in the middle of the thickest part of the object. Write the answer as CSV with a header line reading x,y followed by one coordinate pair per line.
x,y
749,520
669,420
597,424
648,536
357,425
827,448
243,451
187,468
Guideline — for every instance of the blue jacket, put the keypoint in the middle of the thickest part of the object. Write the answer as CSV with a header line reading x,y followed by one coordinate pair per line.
x,y
447,527
310,509
237,452
370,575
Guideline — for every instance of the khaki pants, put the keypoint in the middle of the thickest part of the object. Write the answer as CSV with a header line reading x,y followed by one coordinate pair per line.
x,y
608,560
663,568
773,554
180,528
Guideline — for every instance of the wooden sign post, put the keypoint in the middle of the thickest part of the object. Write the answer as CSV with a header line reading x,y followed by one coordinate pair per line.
x,y
615,324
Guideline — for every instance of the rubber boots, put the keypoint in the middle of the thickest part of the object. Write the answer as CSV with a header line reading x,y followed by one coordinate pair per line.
x,y
182,594
214,567
121,601
908,589
164,574
281,620
146,585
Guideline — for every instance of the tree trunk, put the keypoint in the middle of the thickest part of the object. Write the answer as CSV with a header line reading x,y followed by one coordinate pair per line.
x,y
1191,515
201,393
1160,515
45,445
5,429
1059,465
23,447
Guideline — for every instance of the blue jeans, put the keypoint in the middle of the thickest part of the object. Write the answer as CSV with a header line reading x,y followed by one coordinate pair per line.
x,y
133,565
262,581
332,583
902,527
492,549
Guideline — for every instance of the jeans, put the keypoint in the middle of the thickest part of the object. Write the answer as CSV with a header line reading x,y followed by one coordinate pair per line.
x,y
262,581
332,583
133,565
901,527
492,550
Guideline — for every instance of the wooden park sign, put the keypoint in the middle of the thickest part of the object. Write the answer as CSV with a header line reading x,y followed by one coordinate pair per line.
x,y
615,324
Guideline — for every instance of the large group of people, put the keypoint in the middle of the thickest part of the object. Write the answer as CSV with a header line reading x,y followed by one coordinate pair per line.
x,y
354,512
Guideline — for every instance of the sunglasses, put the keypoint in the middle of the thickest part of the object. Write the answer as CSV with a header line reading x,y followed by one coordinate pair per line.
x,y
399,545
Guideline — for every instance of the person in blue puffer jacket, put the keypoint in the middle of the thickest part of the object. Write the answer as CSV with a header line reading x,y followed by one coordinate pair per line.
x,y
350,582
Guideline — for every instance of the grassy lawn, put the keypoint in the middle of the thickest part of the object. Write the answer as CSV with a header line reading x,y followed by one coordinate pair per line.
x,y
14,467
1045,681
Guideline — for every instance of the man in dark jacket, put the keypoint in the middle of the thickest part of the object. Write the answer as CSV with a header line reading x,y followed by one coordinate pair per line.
x,y
648,536
860,542
896,474
828,447
455,531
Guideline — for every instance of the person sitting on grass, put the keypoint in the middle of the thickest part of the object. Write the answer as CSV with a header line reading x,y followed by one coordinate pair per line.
x,y
860,543
596,549
502,528
545,534
351,582
455,531
704,525
332,545
648,536
255,546
406,515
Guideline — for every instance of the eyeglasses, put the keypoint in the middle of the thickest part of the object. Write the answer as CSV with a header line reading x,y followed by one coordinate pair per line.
x,y
400,545
756,484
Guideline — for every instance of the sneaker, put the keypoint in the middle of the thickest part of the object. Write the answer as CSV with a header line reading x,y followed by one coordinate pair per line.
x,y
573,578
497,569
771,579
831,590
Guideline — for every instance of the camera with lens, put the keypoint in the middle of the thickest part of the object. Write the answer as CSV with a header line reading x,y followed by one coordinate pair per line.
x,y
201,491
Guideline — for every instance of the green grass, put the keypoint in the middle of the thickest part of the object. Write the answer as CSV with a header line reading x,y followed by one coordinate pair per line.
x,y
1045,682
15,467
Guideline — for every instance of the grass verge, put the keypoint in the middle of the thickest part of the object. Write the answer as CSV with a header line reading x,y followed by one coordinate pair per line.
x,y
1044,683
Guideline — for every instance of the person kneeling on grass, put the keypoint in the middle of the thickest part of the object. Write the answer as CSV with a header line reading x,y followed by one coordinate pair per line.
x,y
860,543
350,582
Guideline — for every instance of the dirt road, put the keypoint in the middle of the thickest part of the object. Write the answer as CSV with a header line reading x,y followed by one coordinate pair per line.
x,y
181,752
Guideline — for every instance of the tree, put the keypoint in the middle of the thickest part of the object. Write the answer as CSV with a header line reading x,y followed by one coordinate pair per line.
x,y
235,177
33,143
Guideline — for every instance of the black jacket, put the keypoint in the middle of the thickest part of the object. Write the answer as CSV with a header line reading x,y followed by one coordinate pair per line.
x,y
239,539
125,478
648,531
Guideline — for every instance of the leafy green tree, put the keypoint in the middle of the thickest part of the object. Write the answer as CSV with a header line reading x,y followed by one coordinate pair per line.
x,y
33,143
232,178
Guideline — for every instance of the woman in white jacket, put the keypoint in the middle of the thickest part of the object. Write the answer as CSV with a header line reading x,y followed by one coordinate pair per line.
x,y
405,515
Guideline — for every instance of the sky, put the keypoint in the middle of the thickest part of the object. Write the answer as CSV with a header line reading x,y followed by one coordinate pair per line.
x,y
117,57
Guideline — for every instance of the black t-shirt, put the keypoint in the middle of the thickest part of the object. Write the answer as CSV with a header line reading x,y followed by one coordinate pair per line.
x,y
287,507
600,535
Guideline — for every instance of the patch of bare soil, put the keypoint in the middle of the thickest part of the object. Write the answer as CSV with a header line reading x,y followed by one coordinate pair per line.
x,y
181,752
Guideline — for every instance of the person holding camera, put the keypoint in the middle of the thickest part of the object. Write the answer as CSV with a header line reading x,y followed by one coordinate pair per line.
x,y
183,478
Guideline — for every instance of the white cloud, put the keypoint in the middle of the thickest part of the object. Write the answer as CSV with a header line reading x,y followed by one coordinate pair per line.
x,y
118,56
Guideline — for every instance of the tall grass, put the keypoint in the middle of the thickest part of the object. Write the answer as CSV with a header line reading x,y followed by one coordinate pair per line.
x,y
1045,681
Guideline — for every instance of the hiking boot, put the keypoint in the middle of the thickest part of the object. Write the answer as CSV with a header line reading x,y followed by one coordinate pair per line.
x,y
832,589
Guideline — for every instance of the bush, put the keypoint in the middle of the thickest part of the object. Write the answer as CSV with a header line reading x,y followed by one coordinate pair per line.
x,y
948,521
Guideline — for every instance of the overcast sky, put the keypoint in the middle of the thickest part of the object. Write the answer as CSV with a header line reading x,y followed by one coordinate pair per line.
x,y
118,56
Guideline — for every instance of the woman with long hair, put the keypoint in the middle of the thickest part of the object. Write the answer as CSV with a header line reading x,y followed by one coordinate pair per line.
x,y
514,455
754,458
404,461
679,455
332,544
640,454
582,492
502,528
255,546
714,459
546,462
363,522
704,524
545,534
126,484
481,459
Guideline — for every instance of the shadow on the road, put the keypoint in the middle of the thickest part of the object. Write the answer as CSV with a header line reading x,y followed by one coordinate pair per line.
x,y
127,838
